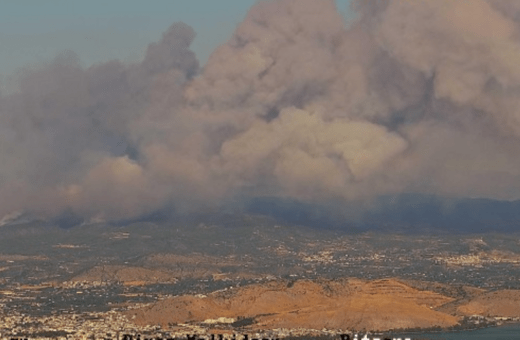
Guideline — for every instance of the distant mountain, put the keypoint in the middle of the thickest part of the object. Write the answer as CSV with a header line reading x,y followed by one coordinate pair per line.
x,y
17,217
407,212
410,213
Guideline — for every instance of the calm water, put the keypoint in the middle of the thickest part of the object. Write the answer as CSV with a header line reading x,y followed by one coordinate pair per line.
x,y
508,332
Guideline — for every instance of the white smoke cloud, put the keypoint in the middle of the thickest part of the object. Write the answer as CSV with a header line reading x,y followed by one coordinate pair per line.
x,y
414,96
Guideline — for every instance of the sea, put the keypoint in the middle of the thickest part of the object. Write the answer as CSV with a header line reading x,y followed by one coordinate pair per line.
x,y
505,332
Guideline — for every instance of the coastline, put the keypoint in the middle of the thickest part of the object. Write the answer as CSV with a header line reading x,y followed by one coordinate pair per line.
x,y
470,333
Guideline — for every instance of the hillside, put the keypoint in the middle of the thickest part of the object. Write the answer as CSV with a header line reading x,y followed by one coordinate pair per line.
x,y
505,303
340,304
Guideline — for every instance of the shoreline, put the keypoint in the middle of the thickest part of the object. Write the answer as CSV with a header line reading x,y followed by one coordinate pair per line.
x,y
453,331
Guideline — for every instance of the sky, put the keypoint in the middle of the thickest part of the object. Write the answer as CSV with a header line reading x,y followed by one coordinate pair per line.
x,y
278,98
34,32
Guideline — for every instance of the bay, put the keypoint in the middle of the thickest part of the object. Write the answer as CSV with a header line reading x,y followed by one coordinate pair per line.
x,y
506,332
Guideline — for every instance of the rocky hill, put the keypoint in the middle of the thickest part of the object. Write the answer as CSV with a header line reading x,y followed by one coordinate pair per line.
x,y
340,304
505,303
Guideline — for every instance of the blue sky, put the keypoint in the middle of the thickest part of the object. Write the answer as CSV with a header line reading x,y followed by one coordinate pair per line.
x,y
35,31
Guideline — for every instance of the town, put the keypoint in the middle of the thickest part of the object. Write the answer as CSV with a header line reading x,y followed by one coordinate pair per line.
x,y
81,289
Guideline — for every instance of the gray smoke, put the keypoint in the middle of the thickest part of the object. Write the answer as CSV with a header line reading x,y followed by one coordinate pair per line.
x,y
414,96
65,123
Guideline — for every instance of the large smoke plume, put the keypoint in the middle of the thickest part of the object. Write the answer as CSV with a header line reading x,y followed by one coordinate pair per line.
x,y
414,96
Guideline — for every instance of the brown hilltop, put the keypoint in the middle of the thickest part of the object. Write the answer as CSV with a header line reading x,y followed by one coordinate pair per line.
x,y
344,304
505,303
124,274
164,267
